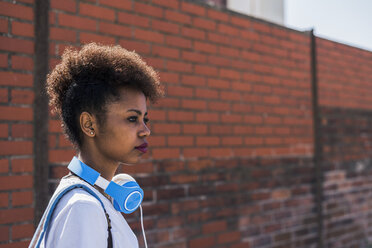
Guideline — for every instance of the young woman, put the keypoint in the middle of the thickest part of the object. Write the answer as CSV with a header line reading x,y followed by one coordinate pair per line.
x,y
100,93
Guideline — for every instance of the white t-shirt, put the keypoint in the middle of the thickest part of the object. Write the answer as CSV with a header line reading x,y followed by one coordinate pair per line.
x,y
79,221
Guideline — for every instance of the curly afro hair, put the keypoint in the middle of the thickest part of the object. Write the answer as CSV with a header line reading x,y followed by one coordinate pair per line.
x,y
88,79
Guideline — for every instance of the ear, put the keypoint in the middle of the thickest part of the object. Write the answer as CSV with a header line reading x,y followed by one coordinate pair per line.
x,y
88,124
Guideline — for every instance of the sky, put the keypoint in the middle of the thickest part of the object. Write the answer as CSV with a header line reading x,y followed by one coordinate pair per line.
x,y
345,21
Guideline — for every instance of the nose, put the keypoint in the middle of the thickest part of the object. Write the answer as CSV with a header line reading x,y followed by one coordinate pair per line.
x,y
145,131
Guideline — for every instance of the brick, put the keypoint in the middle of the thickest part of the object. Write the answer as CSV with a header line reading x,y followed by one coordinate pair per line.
x,y
228,51
207,117
165,153
207,141
180,141
4,95
22,130
66,5
16,215
148,36
202,242
241,86
193,33
205,70
168,102
22,198
231,118
114,29
22,96
195,152
214,227
62,155
77,22
217,15
184,178
165,52
219,38
133,19
194,129
96,12
194,104
218,83
220,152
139,47
22,63
219,106
205,47
232,141
22,165
180,91
220,129
22,29
179,66
15,147
192,8
63,142
4,165
177,17
148,10
4,24
62,34
219,60
169,77
204,23
178,41
119,4
4,233
247,130
230,74
241,22
16,10
166,3
16,182
165,27
166,128
206,93
16,45
89,37
228,237
22,231
16,113
156,140
4,60
228,30
194,56
181,116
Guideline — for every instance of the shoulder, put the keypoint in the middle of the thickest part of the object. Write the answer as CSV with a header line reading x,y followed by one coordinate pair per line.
x,y
80,200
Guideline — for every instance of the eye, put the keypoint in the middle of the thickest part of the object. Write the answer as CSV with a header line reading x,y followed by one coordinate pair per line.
x,y
146,120
133,119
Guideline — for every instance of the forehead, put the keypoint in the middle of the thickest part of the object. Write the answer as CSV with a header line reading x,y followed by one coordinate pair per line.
x,y
129,99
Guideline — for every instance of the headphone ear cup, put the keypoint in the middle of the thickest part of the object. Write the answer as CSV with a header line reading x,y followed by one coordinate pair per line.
x,y
134,197
122,179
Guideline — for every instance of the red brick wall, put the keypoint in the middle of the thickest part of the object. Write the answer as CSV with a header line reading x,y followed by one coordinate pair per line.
x,y
232,143
16,119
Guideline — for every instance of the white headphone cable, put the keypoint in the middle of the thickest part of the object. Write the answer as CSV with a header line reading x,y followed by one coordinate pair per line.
x,y
143,230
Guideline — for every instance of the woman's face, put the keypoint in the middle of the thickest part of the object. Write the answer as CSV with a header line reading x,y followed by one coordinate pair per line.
x,y
122,136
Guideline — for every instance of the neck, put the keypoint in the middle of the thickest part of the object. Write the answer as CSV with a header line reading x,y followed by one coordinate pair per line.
x,y
106,168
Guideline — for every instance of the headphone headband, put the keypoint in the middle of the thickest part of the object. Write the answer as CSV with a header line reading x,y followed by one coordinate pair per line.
x,y
127,195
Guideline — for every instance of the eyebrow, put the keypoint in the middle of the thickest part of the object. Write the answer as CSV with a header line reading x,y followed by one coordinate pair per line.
x,y
137,111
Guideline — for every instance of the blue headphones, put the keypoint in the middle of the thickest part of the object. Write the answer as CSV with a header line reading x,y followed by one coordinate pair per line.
x,y
125,191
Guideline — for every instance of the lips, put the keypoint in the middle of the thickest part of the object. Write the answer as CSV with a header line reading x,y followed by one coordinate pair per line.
x,y
143,147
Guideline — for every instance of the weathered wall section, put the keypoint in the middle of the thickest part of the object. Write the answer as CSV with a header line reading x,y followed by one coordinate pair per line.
x,y
345,77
